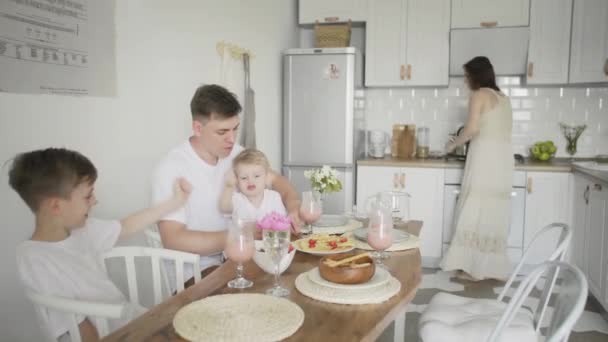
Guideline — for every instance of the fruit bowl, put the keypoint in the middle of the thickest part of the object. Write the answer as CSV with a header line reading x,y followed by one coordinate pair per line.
x,y
357,271
543,150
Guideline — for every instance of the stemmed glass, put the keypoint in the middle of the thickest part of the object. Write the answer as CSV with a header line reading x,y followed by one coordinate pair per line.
x,y
240,247
310,210
380,232
276,243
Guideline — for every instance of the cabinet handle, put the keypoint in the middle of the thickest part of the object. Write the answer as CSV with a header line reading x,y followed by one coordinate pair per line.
x,y
402,180
395,180
586,195
606,67
597,187
488,23
331,19
530,69
529,186
402,72
409,71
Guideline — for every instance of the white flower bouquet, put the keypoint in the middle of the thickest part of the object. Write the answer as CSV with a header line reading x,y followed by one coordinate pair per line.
x,y
324,180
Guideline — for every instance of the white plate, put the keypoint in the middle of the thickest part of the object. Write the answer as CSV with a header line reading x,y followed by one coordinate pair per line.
x,y
381,277
331,221
296,244
398,235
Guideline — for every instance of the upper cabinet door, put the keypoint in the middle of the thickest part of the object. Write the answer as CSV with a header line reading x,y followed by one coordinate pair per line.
x,y
490,13
326,11
589,52
428,42
549,47
385,43
407,43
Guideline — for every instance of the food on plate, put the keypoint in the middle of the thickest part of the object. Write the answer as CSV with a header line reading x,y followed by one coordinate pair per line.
x,y
325,243
347,268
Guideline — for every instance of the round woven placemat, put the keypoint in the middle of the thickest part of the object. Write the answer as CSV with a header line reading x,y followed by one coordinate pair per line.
x,y
350,226
238,317
373,295
412,242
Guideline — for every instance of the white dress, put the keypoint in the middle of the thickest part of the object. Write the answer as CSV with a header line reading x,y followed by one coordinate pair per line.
x,y
483,211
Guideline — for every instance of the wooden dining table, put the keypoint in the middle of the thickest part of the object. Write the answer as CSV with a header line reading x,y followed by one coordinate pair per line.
x,y
322,321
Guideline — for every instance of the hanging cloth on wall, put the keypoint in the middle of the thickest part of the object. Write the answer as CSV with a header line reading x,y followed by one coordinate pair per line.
x,y
231,72
247,138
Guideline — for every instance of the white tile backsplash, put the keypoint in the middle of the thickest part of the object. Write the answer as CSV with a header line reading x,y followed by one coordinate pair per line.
x,y
537,112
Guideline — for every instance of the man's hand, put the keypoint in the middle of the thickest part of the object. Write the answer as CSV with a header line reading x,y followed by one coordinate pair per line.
x,y
230,178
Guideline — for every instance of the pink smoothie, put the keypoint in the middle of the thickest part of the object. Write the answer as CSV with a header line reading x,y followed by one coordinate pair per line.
x,y
310,216
380,238
240,249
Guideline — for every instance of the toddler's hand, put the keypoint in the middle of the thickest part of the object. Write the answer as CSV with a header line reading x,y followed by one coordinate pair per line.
x,y
230,178
182,189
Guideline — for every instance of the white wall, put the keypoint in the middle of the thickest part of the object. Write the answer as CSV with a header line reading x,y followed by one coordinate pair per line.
x,y
165,49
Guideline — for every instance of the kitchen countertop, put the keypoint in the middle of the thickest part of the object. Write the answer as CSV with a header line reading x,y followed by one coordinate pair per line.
x,y
554,165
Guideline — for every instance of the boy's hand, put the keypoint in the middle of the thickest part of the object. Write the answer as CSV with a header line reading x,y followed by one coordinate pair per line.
x,y
230,178
182,190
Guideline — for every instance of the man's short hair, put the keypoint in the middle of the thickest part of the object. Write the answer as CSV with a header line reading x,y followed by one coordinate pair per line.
x,y
251,156
214,100
52,172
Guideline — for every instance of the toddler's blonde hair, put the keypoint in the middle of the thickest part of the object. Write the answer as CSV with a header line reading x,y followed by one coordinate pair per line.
x,y
251,156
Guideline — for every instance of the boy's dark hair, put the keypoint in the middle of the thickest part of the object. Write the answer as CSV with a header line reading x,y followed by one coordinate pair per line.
x,y
481,73
40,174
213,99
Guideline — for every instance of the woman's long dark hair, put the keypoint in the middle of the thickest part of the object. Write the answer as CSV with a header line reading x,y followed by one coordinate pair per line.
x,y
481,73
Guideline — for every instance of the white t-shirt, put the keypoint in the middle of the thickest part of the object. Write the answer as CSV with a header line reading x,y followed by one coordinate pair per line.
x,y
244,209
73,268
201,212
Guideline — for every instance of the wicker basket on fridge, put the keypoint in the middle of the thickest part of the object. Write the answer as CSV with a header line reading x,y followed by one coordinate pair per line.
x,y
332,35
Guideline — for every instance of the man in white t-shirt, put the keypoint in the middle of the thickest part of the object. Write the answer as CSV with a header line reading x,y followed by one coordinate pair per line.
x,y
204,159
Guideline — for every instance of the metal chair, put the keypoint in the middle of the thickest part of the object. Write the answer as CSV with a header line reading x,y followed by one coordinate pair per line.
x,y
445,306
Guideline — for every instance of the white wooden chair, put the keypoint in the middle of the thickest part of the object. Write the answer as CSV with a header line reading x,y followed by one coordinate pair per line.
x,y
569,300
446,307
156,255
98,313
154,240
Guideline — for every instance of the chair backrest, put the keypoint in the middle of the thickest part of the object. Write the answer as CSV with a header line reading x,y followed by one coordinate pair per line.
x,y
569,300
99,313
178,258
154,240
565,236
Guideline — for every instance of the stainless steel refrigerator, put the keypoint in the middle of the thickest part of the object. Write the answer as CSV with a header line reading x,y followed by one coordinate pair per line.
x,y
321,123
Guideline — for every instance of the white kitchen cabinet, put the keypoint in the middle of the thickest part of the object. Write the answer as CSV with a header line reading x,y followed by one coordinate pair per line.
x,y
407,43
596,246
425,186
549,46
326,11
489,13
580,201
589,49
547,201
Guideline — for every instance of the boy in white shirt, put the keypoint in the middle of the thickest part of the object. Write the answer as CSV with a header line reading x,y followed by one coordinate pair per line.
x,y
252,201
62,258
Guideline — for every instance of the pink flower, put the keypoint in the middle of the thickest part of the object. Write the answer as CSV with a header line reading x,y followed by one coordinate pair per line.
x,y
274,221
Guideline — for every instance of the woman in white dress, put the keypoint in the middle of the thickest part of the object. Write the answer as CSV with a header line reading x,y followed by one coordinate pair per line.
x,y
481,222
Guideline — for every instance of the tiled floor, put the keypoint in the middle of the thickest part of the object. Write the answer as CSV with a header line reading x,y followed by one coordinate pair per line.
x,y
591,327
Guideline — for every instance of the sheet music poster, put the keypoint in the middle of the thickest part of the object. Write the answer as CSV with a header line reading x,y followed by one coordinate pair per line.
x,y
58,47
